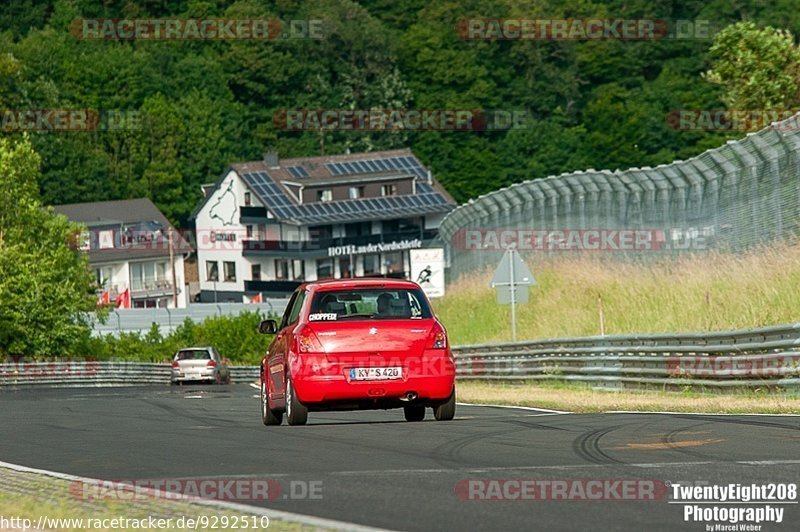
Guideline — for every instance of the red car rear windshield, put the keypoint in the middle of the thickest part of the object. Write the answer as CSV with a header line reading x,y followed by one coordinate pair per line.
x,y
369,303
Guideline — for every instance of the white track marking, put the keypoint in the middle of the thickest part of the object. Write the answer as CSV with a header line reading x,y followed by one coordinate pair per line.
x,y
559,467
547,410
280,515
693,413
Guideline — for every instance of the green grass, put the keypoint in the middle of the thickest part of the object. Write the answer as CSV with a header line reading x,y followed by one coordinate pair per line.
x,y
713,291
31,496
581,398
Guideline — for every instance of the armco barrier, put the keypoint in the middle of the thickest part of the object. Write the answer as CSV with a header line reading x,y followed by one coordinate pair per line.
x,y
767,357
764,357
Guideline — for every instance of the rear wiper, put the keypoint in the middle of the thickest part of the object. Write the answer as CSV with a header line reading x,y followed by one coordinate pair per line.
x,y
354,316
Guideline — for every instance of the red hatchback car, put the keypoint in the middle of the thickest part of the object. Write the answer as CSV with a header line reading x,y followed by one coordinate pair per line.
x,y
354,344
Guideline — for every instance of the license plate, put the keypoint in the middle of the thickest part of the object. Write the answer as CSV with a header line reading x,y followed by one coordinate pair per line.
x,y
372,374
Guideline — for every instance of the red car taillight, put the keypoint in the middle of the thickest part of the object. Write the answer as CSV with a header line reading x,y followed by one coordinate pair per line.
x,y
437,338
307,342
211,364
175,364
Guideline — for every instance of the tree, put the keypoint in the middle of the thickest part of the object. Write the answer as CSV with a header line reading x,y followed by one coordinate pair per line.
x,y
45,283
758,68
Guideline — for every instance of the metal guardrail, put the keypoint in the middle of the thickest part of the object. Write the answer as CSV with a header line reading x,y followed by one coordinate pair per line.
x,y
747,358
767,357
100,374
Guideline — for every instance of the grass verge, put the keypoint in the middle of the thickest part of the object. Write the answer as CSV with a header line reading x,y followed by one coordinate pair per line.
x,y
29,496
701,292
583,399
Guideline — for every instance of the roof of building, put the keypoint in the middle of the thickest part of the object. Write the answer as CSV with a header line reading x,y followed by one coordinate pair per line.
x,y
124,213
270,184
114,211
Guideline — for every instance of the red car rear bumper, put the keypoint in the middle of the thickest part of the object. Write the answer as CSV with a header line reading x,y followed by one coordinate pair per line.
x,y
432,381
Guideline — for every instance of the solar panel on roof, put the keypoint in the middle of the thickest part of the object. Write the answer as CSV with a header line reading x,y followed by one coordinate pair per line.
x,y
297,171
272,194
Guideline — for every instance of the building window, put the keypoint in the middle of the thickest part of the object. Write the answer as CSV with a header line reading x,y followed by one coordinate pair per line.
x,y
344,268
149,276
325,195
255,272
389,189
372,264
358,229
298,270
230,271
286,269
281,269
248,231
320,233
103,277
105,239
247,198
394,262
212,270
356,192
324,269
390,226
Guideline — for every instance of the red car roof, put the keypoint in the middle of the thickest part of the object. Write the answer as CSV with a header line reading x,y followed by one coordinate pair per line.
x,y
362,282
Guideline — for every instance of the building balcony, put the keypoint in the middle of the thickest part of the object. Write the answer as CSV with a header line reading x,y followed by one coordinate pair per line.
x,y
271,287
320,246
250,214
151,288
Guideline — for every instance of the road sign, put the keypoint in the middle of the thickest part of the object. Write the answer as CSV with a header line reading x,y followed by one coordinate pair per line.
x,y
512,280
511,265
504,294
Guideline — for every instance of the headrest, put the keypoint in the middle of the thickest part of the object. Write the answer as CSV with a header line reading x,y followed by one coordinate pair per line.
x,y
335,307
400,308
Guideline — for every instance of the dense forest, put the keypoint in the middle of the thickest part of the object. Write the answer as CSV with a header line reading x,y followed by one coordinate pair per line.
x,y
204,104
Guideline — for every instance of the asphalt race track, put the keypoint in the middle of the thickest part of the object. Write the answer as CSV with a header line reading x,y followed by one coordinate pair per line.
x,y
378,470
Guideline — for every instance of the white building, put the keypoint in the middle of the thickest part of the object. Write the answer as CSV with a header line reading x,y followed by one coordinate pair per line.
x,y
129,248
268,225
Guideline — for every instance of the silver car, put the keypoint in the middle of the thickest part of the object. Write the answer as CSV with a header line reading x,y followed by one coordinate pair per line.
x,y
199,364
